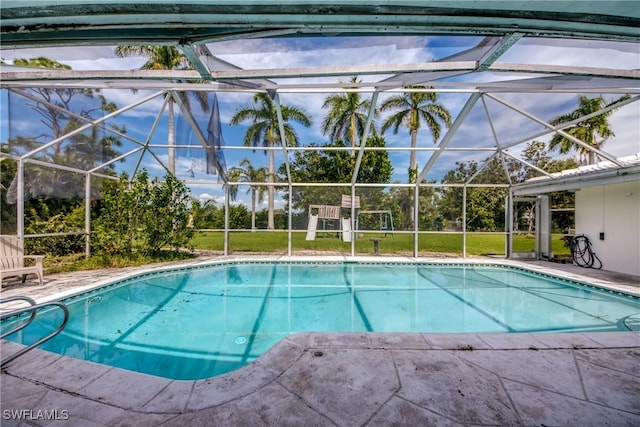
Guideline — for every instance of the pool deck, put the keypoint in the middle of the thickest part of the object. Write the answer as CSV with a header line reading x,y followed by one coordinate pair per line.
x,y
346,379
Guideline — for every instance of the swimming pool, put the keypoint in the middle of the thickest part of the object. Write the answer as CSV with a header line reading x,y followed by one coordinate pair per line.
x,y
203,321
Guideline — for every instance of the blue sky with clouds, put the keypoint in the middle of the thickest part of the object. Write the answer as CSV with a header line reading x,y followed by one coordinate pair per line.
x,y
340,51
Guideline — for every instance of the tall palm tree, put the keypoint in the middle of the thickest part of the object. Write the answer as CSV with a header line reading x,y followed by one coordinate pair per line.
x,y
246,172
166,58
411,110
586,131
347,115
264,131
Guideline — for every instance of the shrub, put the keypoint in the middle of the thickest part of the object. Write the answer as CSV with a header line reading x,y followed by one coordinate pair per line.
x,y
38,220
142,216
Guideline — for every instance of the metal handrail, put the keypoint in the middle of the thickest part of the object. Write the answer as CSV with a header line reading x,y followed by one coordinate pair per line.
x,y
33,309
9,314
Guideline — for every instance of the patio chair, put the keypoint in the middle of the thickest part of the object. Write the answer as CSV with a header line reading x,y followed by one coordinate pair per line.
x,y
12,260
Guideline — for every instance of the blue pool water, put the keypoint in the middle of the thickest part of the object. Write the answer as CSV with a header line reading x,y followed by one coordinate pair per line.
x,y
200,322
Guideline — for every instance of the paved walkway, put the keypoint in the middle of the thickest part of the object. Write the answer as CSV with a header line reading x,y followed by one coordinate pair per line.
x,y
579,379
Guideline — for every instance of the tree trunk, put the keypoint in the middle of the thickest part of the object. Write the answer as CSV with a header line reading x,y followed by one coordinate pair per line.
x,y
271,190
413,158
253,209
354,137
413,176
531,218
592,157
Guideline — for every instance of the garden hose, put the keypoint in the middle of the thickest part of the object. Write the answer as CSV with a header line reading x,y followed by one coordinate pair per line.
x,y
582,253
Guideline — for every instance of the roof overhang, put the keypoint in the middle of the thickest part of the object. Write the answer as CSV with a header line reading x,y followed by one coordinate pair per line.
x,y
603,173
30,23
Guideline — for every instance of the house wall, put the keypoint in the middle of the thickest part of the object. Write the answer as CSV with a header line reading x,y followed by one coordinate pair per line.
x,y
615,210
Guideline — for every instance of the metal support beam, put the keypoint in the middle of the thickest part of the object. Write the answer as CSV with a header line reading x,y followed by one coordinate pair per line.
x,y
87,215
213,63
20,199
11,77
226,220
87,126
481,168
116,159
563,70
573,122
416,219
193,53
156,122
283,138
464,221
290,223
524,162
74,115
497,141
509,224
365,136
466,109
563,133
498,50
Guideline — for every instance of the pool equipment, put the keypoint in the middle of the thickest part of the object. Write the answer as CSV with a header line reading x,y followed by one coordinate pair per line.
x,y
582,253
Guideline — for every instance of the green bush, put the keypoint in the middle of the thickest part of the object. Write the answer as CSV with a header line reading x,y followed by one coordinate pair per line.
x,y
38,220
142,216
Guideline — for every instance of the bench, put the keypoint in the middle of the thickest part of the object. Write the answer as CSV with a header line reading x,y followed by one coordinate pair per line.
x,y
12,260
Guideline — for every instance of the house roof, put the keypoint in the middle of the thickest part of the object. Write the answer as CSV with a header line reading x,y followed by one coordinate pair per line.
x,y
601,173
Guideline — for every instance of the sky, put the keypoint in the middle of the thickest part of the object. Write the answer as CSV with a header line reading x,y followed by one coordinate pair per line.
x,y
510,126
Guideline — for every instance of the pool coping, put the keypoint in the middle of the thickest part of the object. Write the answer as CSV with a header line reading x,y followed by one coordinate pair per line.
x,y
145,394
84,383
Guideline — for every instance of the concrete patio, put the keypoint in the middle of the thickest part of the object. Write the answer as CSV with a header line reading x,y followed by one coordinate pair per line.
x,y
346,379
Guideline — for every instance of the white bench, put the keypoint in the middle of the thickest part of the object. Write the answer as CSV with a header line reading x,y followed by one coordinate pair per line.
x,y
12,259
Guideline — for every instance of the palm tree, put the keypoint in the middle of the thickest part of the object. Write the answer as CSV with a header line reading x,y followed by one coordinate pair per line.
x,y
347,115
264,131
586,131
166,58
247,173
411,110
414,108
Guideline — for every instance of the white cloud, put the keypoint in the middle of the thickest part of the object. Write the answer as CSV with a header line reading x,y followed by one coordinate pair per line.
x,y
626,125
205,196
327,51
574,52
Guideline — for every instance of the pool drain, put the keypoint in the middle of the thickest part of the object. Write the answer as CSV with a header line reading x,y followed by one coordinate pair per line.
x,y
95,299
240,340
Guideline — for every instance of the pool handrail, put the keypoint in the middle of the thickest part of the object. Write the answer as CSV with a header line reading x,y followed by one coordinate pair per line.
x,y
3,316
33,307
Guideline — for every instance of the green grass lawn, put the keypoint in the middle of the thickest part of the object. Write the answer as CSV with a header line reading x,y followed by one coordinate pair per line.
x,y
276,242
